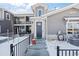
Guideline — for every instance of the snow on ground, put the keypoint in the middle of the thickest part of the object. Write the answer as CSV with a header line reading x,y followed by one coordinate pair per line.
x,y
18,39
5,46
2,37
52,46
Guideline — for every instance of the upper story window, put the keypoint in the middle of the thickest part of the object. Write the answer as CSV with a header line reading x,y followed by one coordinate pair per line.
x,y
22,20
7,16
27,18
40,12
16,20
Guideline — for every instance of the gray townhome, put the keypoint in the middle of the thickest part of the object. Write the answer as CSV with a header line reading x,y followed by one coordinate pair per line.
x,y
6,21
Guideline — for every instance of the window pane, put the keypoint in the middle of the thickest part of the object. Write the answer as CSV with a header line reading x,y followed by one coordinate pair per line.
x,y
69,25
39,12
7,16
27,18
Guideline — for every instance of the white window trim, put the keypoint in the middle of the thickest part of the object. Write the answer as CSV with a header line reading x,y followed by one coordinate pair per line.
x,y
6,16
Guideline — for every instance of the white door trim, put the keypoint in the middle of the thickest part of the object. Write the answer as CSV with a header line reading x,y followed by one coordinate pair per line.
x,y
43,27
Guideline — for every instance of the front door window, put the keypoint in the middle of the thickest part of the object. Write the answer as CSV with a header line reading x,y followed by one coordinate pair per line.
x,y
39,30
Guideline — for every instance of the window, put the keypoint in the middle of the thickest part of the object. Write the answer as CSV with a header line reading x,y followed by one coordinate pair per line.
x,y
28,29
0,29
22,20
27,18
40,12
7,16
21,29
70,28
73,28
16,21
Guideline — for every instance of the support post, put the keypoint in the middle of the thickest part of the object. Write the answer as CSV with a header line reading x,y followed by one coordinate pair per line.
x,y
11,50
57,50
29,39
8,34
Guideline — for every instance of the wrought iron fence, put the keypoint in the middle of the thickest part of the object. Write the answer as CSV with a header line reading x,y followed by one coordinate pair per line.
x,y
67,52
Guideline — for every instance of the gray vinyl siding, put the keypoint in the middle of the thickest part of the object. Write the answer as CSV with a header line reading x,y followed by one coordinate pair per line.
x,y
57,22
6,24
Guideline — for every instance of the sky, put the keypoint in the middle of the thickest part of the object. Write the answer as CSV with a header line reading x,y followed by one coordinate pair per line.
x,y
20,6
26,7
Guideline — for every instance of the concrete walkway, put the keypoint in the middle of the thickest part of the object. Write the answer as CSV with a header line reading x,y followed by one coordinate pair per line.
x,y
40,49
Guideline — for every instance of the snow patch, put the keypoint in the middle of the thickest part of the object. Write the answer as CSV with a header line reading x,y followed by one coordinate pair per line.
x,y
2,38
52,46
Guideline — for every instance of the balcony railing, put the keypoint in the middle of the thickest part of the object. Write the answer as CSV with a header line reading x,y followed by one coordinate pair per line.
x,y
19,22
67,52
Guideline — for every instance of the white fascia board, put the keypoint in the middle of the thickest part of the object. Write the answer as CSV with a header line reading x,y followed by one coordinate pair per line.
x,y
76,18
37,17
21,24
21,15
59,10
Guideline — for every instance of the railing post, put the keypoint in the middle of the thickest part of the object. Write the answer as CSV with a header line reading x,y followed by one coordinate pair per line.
x,y
57,50
29,39
11,50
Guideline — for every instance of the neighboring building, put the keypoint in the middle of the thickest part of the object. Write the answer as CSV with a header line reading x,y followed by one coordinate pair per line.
x,y
6,21
22,23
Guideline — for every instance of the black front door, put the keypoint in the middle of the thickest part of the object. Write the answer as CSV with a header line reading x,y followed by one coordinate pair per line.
x,y
39,30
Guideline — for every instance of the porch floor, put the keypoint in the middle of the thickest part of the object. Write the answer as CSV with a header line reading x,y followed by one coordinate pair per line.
x,y
39,49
